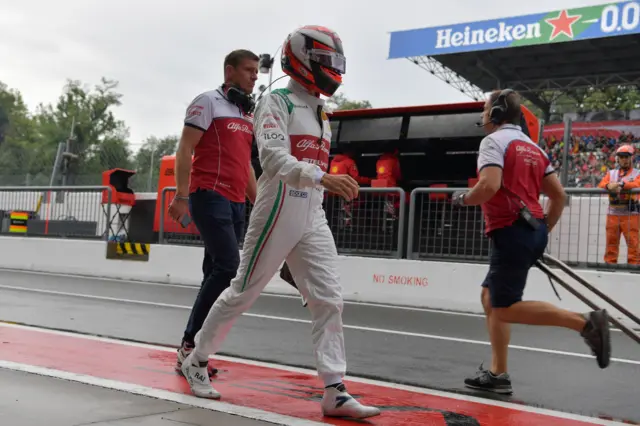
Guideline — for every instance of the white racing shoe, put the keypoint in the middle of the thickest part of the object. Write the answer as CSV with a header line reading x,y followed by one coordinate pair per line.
x,y
198,377
336,402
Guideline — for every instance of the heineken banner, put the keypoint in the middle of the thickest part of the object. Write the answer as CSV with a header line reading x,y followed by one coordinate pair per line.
x,y
612,19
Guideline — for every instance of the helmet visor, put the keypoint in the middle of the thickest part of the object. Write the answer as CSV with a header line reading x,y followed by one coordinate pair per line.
x,y
329,59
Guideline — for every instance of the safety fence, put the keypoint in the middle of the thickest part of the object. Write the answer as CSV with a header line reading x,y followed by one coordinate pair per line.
x,y
373,225
58,212
586,235
381,222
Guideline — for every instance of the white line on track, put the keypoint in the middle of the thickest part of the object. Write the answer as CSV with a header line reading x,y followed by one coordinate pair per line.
x,y
267,294
304,321
253,413
190,400
264,294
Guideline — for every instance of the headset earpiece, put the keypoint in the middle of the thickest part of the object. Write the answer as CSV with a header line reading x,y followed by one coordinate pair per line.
x,y
500,107
239,98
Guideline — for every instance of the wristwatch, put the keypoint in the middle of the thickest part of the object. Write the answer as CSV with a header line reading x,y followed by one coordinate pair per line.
x,y
180,197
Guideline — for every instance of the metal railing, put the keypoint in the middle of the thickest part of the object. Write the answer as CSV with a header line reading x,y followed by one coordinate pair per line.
x,y
371,225
588,236
57,211
438,231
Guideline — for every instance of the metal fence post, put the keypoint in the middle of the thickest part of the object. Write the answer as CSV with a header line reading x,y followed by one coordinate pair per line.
x,y
401,221
108,221
565,151
162,208
412,221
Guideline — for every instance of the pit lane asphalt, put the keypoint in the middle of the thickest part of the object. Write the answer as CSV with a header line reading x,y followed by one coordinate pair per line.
x,y
32,398
550,368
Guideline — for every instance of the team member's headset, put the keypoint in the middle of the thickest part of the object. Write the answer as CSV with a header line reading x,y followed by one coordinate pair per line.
x,y
243,101
239,98
499,108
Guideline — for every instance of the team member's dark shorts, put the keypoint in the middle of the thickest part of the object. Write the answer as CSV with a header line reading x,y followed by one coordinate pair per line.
x,y
514,250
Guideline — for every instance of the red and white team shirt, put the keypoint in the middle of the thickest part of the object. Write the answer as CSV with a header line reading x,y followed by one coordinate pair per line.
x,y
222,157
524,165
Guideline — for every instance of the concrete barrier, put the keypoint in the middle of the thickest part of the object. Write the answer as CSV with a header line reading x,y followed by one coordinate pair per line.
x,y
424,284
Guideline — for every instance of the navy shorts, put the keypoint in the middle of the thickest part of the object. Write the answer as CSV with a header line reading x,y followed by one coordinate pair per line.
x,y
514,250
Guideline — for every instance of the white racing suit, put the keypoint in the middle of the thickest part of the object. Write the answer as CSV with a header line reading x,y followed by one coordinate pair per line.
x,y
288,223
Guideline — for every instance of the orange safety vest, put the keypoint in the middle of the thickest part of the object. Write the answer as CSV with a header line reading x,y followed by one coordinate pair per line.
x,y
622,203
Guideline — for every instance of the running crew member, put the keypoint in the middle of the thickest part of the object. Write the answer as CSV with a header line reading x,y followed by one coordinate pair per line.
x,y
288,221
623,215
218,132
513,171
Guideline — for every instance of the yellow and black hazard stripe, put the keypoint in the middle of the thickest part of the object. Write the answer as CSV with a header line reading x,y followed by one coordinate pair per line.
x,y
128,251
133,248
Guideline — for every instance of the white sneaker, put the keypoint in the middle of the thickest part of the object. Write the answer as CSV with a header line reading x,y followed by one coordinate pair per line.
x,y
336,402
198,377
183,353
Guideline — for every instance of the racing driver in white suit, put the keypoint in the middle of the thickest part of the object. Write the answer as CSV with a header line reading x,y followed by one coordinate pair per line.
x,y
288,221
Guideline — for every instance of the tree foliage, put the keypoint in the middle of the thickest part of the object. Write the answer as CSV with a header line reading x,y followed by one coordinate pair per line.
x,y
84,120
582,100
340,102
148,158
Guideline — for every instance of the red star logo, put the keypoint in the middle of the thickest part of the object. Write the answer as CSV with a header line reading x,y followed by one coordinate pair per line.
x,y
562,24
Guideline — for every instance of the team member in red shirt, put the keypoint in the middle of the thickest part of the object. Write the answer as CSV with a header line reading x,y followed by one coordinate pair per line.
x,y
388,167
513,171
218,132
344,164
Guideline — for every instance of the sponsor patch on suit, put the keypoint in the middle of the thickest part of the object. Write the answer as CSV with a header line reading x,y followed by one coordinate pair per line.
x,y
298,194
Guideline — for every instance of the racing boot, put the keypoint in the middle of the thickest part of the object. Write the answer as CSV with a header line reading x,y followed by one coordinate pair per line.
x,y
184,352
336,402
596,335
198,377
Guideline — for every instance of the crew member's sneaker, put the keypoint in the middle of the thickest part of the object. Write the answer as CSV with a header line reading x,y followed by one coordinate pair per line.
x,y
196,374
485,380
596,335
336,402
183,353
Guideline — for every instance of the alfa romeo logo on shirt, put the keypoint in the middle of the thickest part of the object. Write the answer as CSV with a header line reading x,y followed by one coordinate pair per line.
x,y
234,127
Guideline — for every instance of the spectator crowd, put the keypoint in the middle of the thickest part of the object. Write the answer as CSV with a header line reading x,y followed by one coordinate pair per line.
x,y
590,155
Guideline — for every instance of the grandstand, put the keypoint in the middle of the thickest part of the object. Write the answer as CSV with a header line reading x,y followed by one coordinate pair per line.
x,y
544,56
